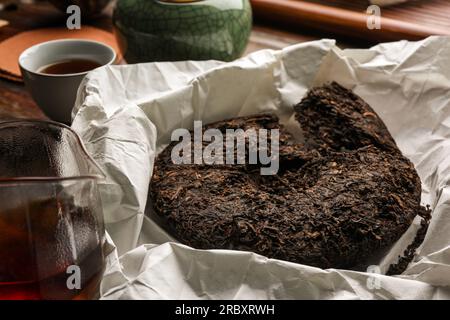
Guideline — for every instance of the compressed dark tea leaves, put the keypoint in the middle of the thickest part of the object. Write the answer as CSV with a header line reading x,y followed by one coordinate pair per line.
x,y
336,200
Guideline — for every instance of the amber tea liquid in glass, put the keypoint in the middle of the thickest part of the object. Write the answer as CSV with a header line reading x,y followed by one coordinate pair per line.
x,y
37,246
51,222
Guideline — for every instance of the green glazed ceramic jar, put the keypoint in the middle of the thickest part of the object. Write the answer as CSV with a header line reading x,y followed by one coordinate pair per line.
x,y
152,30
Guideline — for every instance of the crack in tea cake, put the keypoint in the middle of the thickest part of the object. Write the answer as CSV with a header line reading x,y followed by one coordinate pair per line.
x,y
337,199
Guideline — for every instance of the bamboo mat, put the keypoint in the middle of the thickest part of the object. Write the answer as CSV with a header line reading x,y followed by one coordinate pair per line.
x,y
412,20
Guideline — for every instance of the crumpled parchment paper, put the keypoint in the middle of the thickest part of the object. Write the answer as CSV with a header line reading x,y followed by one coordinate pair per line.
x,y
125,115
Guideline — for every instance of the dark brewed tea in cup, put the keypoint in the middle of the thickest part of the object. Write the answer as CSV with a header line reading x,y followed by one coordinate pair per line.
x,y
70,66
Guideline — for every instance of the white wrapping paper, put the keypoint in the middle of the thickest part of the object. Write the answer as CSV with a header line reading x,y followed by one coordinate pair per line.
x,y
125,115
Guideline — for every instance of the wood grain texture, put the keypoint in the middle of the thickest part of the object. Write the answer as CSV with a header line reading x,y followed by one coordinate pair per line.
x,y
412,21
15,103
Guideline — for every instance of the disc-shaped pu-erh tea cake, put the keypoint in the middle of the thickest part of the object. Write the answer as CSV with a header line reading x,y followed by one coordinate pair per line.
x,y
340,197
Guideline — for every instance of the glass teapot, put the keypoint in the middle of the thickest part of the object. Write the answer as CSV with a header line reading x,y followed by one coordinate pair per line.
x,y
51,220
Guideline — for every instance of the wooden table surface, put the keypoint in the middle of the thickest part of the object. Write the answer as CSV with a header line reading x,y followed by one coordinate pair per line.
x,y
15,102
411,20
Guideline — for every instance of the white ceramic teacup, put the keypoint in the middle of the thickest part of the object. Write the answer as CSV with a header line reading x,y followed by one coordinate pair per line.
x,y
56,93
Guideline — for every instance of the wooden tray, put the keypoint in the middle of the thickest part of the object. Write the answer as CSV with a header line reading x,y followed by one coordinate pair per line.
x,y
347,18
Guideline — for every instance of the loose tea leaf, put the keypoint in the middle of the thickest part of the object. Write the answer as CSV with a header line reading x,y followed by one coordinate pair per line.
x,y
336,200
410,251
